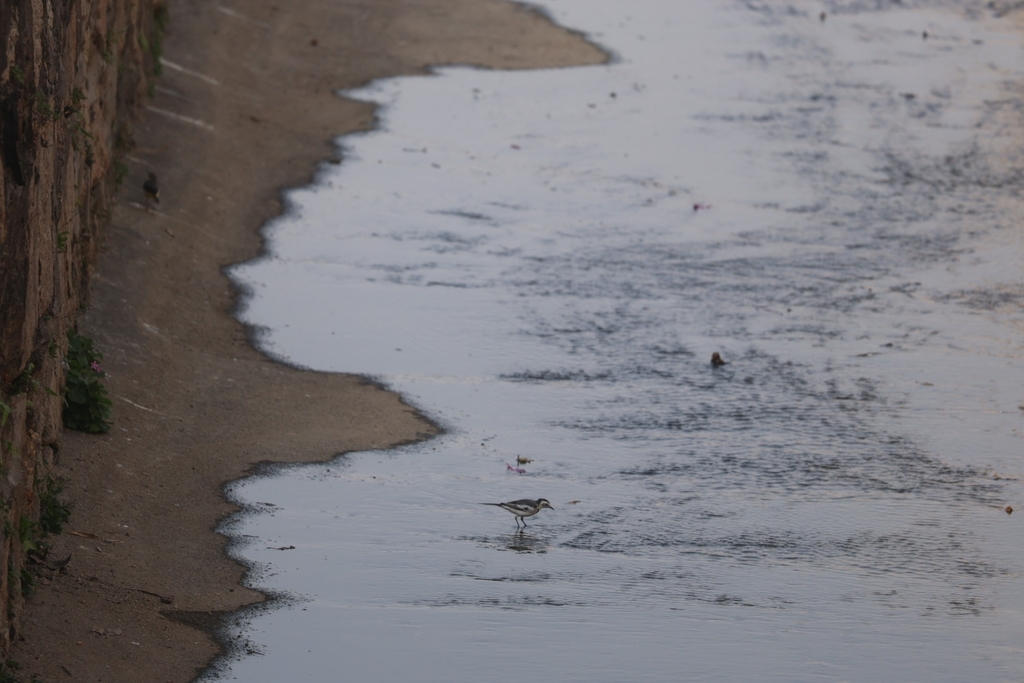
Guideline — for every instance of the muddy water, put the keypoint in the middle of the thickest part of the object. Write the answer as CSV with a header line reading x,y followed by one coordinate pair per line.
x,y
545,261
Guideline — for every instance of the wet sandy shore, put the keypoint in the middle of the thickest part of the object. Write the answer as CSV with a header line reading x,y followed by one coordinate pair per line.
x,y
245,107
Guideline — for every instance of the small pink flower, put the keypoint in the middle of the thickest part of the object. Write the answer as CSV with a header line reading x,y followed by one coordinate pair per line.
x,y
97,367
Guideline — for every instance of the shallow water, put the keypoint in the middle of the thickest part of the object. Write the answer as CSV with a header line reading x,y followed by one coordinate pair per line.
x,y
544,262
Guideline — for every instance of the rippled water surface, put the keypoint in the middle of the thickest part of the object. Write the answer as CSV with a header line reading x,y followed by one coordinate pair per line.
x,y
544,263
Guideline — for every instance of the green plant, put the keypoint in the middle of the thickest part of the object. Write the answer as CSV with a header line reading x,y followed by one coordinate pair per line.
x,y
26,534
22,383
113,42
43,105
79,128
156,49
86,406
120,172
53,515
53,512
18,73
28,582
7,671
161,16
25,383
75,108
24,581
75,128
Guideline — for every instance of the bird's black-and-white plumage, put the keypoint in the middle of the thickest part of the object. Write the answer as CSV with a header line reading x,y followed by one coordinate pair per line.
x,y
525,507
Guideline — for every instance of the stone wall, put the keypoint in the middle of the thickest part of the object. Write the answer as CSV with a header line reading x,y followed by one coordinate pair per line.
x,y
71,74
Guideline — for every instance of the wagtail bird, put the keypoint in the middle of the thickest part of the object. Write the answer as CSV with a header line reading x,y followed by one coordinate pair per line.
x,y
524,508
151,189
